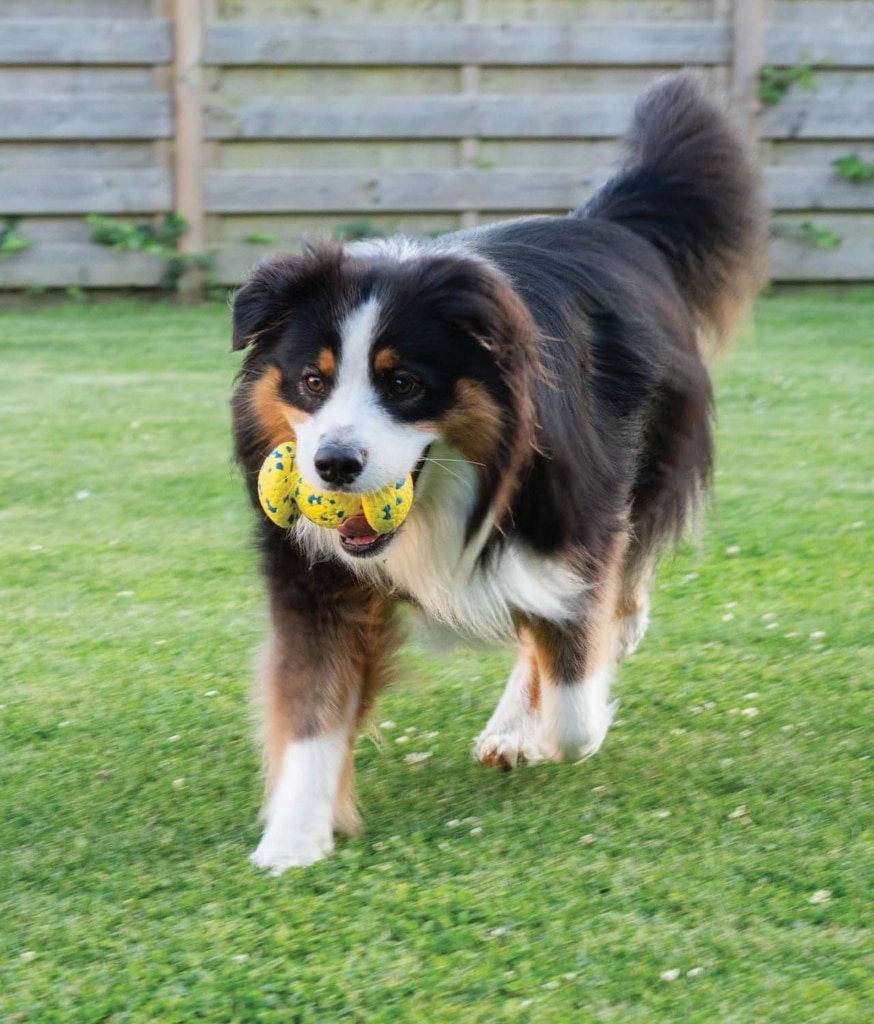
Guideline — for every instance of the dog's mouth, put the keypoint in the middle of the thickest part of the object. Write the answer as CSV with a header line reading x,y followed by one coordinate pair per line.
x,y
359,539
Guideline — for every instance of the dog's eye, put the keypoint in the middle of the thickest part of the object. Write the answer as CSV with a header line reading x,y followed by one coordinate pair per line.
x,y
314,382
403,385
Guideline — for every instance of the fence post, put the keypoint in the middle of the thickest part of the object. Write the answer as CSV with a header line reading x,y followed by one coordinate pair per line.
x,y
188,131
747,57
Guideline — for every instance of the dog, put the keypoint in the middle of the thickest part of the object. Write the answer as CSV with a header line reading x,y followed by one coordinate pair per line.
x,y
544,381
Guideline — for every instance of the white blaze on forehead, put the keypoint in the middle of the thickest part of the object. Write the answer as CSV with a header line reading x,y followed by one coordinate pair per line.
x,y
354,414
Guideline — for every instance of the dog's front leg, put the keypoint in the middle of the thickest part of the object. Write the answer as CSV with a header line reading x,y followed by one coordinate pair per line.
x,y
321,667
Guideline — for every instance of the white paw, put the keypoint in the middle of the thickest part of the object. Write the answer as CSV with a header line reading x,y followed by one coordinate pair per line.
x,y
630,631
280,849
580,738
506,749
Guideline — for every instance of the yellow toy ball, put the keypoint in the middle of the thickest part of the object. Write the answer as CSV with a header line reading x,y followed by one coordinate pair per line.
x,y
385,510
285,496
276,482
325,508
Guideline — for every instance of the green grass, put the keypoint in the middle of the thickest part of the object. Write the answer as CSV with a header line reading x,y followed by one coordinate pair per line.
x,y
694,842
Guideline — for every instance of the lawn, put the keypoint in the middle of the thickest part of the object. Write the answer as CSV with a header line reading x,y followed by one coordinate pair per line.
x,y
713,863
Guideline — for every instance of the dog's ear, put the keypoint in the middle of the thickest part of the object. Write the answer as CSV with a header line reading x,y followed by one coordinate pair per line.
x,y
262,305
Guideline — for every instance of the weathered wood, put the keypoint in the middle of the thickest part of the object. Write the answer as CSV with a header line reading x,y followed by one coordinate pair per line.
x,y
816,188
81,266
789,188
811,44
421,117
46,192
748,47
816,115
395,191
85,41
852,260
380,43
189,122
85,117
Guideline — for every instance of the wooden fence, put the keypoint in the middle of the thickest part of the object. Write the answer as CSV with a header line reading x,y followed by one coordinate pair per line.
x,y
262,122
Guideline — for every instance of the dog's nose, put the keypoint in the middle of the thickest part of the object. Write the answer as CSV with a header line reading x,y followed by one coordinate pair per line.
x,y
338,464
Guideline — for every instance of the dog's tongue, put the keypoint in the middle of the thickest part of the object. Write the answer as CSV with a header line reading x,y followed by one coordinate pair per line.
x,y
357,528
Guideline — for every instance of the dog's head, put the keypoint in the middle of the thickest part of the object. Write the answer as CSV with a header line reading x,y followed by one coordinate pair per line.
x,y
369,361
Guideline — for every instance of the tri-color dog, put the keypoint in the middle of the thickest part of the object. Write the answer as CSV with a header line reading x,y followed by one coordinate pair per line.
x,y
543,381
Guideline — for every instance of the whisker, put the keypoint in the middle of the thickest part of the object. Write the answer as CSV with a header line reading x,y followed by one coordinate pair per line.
x,y
470,462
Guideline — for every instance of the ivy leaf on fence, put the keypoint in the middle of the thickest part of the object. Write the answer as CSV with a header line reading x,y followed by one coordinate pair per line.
x,y
854,168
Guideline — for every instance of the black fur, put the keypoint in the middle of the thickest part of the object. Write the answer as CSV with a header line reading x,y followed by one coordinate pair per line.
x,y
593,352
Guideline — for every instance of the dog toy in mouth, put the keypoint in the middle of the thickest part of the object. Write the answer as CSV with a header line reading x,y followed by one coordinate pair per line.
x,y
285,496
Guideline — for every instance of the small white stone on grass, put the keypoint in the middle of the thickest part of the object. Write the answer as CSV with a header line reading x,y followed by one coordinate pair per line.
x,y
663,814
820,896
476,831
750,696
211,693
694,972
125,593
670,975
402,739
817,634
739,812
28,955
386,725
733,549
178,783
82,495
454,823
417,758
750,712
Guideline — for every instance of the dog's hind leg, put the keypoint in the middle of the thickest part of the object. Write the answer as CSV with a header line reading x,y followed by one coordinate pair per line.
x,y
576,664
632,605
511,734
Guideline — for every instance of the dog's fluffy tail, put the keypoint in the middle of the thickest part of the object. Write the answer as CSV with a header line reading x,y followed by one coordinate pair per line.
x,y
690,187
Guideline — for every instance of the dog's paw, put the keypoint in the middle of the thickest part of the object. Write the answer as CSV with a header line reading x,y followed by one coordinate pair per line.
x,y
279,851
631,629
506,749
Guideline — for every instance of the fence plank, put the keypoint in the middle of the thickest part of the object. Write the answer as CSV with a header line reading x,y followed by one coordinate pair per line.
x,y
379,43
852,260
188,76
85,41
804,115
85,117
395,191
97,191
809,44
815,188
789,188
81,266
422,117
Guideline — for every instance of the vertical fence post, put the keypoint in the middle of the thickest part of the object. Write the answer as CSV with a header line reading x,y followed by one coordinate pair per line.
x,y
747,57
469,87
188,130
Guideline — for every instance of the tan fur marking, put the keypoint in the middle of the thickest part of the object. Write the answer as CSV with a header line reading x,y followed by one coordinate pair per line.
x,y
473,425
277,418
326,363
386,359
